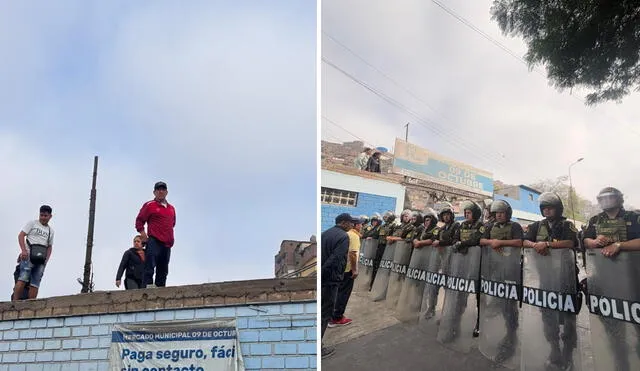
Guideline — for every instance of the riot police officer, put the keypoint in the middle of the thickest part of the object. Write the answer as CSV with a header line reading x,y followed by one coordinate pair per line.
x,y
467,235
429,231
365,225
615,231
404,229
470,232
555,232
502,236
386,230
417,220
442,238
374,230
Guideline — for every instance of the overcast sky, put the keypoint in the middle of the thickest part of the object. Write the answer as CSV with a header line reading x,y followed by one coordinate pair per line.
x,y
466,98
215,98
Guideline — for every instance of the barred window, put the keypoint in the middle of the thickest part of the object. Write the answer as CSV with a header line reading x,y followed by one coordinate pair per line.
x,y
338,197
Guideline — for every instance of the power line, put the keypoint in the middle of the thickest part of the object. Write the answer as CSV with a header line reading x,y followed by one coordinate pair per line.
x,y
442,130
504,48
456,142
347,131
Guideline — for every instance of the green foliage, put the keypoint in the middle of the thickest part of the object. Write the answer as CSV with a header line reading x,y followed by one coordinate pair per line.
x,y
581,207
587,43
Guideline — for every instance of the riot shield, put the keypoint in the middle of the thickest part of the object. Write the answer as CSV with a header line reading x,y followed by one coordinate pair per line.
x,y
381,282
500,282
401,259
459,312
410,300
365,265
548,335
436,278
614,306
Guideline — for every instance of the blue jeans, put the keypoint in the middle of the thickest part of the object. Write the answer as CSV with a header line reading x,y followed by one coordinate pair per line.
x,y
31,273
156,258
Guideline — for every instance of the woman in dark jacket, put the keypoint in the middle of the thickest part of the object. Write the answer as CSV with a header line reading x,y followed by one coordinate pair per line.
x,y
373,165
133,263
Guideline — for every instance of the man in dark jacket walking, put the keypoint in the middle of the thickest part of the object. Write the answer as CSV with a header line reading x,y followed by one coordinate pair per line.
x,y
335,246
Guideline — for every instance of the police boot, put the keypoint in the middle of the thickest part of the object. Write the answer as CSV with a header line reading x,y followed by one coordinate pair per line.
x,y
431,311
567,358
450,335
555,360
506,347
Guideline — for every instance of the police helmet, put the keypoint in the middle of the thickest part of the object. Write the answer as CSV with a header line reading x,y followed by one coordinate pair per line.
x,y
389,217
551,199
476,212
444,210
376,217
610,198
501,206
406,212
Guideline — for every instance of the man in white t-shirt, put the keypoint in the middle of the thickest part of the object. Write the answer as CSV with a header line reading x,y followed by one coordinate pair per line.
x,y
37,232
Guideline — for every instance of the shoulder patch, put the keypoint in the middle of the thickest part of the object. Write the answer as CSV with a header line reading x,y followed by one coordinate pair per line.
x,y
482,229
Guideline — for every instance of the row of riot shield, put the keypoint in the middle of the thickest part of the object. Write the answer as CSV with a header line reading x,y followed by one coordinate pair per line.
x,y
525,303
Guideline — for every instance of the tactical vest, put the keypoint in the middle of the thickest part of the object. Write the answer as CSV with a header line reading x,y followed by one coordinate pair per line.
x,y
446,234
429,234
384,232
543,232
467,230
501,231
616,229
403,230
416,232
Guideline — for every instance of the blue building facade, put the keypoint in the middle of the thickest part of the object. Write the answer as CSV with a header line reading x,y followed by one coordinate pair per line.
x,y
357,195
368,204
524,201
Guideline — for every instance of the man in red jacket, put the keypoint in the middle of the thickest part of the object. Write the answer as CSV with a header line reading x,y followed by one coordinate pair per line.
x,y
160,217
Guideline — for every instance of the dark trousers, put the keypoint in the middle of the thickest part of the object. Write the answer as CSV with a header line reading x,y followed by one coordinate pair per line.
x,y
617,334
376,263
510,314
157,257
551,321
327,300
131,284
342,298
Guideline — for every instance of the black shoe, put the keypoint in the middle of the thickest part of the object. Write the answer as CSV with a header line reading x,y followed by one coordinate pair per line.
x,y
327,352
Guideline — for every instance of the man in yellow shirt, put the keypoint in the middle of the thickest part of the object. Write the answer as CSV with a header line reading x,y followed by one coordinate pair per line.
x,y
350,274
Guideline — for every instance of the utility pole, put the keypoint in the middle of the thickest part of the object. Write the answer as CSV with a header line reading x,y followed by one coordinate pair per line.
x,y
87,284
406,135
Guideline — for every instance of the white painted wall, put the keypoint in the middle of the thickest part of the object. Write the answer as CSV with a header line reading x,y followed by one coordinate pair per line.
x,y
332,179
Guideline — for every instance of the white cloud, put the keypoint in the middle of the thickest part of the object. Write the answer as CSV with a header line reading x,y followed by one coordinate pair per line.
x,y
218,100
472,90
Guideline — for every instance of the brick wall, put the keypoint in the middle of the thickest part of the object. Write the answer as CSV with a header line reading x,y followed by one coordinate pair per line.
x,y
368,204
276,322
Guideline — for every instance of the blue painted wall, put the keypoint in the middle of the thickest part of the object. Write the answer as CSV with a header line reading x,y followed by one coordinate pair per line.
x,y
368,204
524,203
